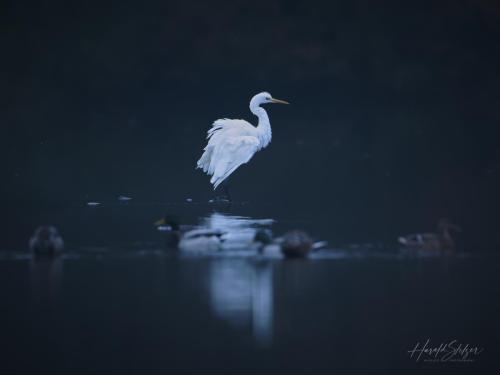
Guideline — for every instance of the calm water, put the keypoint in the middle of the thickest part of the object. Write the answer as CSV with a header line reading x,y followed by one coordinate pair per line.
x,y
118,302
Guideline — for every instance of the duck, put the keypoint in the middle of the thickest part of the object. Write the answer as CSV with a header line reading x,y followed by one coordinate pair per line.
x,y
442,241
216,232
263,237
293,244
216,236
46,240
296,244
240,232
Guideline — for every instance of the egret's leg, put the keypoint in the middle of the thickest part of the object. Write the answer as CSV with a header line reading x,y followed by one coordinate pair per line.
x,y
226,191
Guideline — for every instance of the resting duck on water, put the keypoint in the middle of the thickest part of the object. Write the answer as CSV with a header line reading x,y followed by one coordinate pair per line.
x,y
440,241
293,244
221,236
46,241
210,238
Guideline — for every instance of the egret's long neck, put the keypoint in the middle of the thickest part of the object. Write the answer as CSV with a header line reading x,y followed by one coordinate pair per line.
x,y
264,126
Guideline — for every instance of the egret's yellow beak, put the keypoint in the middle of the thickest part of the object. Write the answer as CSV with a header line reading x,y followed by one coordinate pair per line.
x,y
277,101
160,222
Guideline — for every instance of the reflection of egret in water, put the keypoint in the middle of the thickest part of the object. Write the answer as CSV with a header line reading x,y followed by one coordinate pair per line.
x,y
241,289
46,276
262,303
215,232
241,292
239,231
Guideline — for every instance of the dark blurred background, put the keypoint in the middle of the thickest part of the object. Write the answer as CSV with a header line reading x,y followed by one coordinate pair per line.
x,y
393,123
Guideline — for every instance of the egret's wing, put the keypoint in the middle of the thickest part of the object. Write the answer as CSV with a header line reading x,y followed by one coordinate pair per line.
x,y
221,131
229,154
225,125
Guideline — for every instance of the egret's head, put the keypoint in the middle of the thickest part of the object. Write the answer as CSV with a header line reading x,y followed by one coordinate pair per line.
x,y
263,98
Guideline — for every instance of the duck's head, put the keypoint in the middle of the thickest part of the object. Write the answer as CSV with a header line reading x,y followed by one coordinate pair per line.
x,y
168,223
263,236
170,228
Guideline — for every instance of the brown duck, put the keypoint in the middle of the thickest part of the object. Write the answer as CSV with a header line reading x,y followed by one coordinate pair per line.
x,y
440,241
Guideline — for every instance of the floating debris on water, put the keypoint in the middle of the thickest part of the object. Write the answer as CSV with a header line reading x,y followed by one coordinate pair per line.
x,y
123,198
93,204
219,200
319,245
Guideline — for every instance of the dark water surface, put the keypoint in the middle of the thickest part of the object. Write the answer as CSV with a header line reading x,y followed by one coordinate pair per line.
x,y
118,302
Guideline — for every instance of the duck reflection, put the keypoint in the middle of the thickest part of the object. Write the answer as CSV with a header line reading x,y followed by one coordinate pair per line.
x,y
46,275
241,293
46,266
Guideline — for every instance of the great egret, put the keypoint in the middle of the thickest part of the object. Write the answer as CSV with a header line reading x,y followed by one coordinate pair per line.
x,y
232,143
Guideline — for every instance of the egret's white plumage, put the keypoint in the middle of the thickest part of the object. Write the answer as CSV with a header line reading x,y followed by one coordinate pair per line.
x,y
232,143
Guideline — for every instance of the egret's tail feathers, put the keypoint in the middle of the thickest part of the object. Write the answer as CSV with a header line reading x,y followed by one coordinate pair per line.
x,y
217,180
204,162
217,125
231,143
